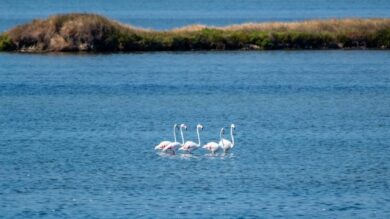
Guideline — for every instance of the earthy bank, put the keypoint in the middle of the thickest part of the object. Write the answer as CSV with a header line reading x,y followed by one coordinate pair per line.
x,y
95,33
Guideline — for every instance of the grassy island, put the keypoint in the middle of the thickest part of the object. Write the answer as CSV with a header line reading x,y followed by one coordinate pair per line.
x,y
95,33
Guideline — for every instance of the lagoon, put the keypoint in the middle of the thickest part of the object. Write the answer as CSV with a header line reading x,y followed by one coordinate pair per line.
x,y
77,134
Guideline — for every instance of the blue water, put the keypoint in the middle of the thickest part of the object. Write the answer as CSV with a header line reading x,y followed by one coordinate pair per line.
x,y
166,14
313,135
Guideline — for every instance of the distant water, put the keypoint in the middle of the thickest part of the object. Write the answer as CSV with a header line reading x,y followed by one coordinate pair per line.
x,y
165,14
77,134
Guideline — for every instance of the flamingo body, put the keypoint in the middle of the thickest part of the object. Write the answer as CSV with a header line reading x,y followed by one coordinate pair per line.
x,y
171,147
225,144
162,145
212,147
189,146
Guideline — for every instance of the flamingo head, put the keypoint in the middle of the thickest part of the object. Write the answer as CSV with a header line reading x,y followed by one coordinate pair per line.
x,y
233,126
199,126
175,125
183,126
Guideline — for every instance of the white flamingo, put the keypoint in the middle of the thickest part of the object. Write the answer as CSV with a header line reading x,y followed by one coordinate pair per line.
x,y
163,144
214,146
190,146
173,145
225,144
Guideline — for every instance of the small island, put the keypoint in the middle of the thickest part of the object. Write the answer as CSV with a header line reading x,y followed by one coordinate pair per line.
x,y
81,32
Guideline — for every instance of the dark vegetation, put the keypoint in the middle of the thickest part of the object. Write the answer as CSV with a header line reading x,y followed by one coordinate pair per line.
x,y
6,43
90,32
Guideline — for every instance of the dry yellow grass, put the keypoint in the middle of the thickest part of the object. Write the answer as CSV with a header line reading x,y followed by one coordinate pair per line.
x,y
190,28
311,26
308,26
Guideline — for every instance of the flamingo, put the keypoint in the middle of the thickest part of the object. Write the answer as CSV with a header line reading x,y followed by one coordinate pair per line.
x,y
163,144
173,145
225,144
190,146
214,146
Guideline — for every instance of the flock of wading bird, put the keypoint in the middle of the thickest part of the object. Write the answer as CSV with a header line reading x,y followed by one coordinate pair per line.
x,y
190,146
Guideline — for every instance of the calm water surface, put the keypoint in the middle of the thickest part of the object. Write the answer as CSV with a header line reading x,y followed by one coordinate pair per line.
x,y
313,135
167,14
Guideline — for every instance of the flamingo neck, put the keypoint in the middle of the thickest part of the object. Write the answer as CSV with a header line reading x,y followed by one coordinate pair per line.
x,y
221,136
181,133
231,135
197,131
174,132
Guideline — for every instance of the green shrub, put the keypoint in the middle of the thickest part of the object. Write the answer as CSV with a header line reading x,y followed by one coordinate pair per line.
x,y
267,43
129,42
382,38
181,43
6,43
